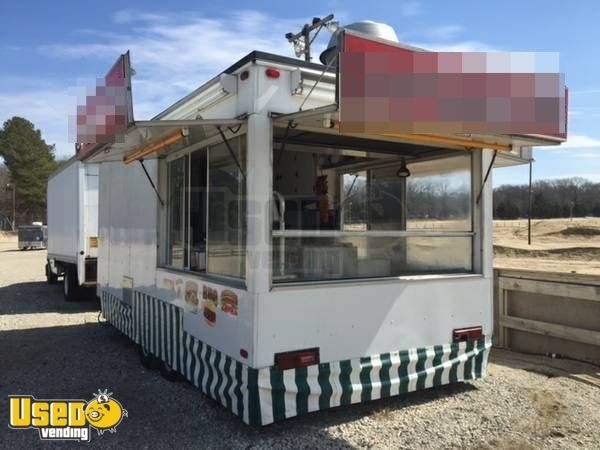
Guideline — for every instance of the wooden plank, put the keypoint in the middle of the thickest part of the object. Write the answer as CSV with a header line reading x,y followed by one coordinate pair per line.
x,y
503,312
560,277
551,329
578,291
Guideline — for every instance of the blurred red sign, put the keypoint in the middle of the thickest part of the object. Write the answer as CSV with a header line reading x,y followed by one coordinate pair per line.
x,y
107,112
385,88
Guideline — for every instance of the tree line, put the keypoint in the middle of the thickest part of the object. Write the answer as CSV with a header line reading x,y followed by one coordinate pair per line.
x,y
569,197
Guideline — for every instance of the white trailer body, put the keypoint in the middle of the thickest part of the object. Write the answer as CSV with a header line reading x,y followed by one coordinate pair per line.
x,y
73,224
273,294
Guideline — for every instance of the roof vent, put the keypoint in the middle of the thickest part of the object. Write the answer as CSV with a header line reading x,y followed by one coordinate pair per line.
x,y
367,27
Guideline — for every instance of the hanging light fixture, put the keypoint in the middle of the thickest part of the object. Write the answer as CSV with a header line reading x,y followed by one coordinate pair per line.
x,y
403,171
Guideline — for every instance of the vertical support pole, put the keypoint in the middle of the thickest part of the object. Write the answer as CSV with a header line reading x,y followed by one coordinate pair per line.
x,y
483,211
403,187
502,311
259,188
530,205
306,35
403,206
485,208
14,207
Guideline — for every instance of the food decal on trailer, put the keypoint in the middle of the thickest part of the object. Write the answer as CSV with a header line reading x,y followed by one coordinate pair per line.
x,y
280,238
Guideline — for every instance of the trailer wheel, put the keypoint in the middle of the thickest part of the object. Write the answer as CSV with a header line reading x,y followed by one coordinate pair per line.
x,y
148,360
51,277
70,287
168,373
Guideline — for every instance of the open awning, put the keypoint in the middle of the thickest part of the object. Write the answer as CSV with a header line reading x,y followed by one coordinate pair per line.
x,y
326,118
152,138
512,149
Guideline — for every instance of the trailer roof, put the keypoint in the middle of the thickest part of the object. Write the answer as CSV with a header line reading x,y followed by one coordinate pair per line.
x,y
249,58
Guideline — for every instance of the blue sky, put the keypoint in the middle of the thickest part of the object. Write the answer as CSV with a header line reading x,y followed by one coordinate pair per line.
x,y
47,49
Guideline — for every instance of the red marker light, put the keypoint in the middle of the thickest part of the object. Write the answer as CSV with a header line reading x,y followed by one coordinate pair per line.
x,y
272,73
244,75
244,353
299,358
467,334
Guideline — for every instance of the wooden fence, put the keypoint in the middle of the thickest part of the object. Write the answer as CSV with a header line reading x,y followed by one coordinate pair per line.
x,y
547,313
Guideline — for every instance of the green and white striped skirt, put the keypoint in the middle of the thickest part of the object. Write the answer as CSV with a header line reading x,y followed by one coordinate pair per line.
x,y
263,396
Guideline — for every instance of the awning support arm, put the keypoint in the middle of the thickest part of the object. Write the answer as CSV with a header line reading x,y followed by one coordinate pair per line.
x,y
284,140
231,152
487,174
151,182
334,59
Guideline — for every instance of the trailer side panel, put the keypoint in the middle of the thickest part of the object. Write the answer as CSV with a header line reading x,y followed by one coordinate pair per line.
x,y
63,213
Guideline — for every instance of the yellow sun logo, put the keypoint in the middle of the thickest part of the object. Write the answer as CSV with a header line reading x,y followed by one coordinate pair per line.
x,y
104,413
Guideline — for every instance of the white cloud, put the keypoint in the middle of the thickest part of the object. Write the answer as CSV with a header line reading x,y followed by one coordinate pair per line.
x,y
172,53
48,109
445,38
443,32
587,154
458,46
410,8
577,141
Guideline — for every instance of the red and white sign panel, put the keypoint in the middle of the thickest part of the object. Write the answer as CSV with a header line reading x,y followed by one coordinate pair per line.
x,y
107,112
388,89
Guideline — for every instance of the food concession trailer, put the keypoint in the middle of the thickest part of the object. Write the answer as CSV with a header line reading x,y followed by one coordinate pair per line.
x,y
284,265
32,236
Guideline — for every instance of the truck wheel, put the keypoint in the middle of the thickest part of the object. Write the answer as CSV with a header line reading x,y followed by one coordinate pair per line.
x,y
70,285
51,277
148,360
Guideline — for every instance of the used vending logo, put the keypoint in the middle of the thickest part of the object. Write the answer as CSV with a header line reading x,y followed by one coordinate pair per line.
x,y
66,419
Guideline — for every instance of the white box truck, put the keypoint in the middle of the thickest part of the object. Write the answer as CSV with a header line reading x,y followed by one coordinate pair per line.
x,y
73,227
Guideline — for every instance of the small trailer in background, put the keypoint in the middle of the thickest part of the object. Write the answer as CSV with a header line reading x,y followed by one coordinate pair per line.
x,y
73,227
33,236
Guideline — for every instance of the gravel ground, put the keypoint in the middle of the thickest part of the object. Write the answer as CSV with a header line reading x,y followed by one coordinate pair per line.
x,y
53,349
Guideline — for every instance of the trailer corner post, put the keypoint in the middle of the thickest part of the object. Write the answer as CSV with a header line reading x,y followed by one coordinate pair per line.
x,y
259,191
486,208
81,251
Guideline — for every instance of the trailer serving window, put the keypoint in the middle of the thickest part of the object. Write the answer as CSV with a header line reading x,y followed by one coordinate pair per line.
x,y
206,224
348,213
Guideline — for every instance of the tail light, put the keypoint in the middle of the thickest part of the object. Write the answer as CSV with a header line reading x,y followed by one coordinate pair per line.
x,y
297,358
272,73
467,334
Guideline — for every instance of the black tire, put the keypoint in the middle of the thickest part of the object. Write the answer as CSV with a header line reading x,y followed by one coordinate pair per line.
x,y
169,374
70,287
51,278
148,360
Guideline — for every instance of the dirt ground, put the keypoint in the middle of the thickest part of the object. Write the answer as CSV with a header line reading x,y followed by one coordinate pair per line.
x,y
558,245
53,349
